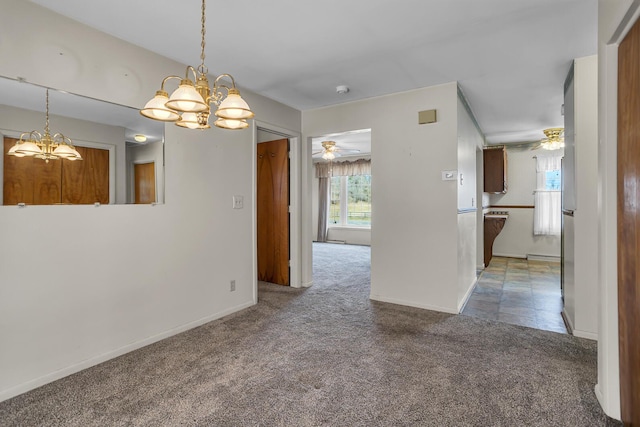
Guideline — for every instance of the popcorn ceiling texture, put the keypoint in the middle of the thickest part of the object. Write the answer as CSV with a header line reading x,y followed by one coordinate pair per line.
x,y
327,355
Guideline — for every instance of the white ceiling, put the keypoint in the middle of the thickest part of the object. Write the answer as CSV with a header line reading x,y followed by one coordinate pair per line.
x,y
510,56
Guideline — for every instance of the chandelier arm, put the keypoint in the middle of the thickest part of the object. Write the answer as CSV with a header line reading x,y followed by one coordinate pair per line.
x,y
229,76
167,79
193,70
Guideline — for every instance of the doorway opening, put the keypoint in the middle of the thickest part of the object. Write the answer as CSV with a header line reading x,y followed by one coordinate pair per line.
x,y
518,269
341,207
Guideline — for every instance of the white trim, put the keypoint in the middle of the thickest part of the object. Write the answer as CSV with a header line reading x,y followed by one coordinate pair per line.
x,y
585,334
567,319
467,295
510,255
412,304
537,257
56,375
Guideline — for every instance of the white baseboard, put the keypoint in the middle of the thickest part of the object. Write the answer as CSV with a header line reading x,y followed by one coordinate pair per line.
x,y
467,295
413,304
585,334
603,405
77,367
567,321
550,258
510,255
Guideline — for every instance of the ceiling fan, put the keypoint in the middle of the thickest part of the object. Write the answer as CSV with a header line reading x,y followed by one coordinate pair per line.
x,y
330,151
554,140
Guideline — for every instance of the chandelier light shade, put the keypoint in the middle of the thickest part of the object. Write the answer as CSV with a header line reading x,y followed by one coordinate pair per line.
x,y
156,109
189,105
554,139
44,145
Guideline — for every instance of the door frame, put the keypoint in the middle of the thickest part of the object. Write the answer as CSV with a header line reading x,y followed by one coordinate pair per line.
x,y
294,200
607,389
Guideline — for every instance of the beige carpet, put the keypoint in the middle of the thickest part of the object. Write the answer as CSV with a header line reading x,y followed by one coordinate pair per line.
x,y
329,356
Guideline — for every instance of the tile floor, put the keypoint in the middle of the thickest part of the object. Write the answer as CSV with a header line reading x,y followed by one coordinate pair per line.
x,y
520,292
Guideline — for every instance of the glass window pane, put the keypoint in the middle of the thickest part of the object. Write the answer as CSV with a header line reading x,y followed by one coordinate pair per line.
x,y
359,200
552,180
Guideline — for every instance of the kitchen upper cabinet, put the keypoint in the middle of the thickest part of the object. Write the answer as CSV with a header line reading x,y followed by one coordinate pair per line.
x,y
495,170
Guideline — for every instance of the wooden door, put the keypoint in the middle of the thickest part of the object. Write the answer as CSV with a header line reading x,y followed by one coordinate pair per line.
x,y
144,183
273,211
86,181
629,225
36,182
30,180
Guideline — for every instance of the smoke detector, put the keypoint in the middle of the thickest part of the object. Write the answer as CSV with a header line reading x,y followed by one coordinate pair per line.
x,y
342,89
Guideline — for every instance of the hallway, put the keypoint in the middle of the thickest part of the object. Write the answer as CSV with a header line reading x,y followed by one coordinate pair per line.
x,y
519,292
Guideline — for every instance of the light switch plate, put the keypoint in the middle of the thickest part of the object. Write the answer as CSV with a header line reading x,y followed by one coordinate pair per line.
x,y
238,202
449,175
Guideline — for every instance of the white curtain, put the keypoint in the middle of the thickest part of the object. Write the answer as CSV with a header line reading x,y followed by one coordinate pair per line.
x,y
547,215
357,167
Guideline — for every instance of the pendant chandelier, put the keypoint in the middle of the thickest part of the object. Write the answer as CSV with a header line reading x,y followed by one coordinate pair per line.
x,y
44,146
554,139
189,105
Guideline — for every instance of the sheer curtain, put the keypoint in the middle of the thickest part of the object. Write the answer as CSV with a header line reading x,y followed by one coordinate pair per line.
x,y
324,172
547,214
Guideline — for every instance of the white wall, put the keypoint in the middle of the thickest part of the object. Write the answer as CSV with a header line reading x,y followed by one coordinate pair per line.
x,y
581,272
614,19
414,245
140,272
470,140
14,121
516,238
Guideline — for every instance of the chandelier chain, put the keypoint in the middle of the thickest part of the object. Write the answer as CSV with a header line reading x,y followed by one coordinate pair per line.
x,y
202,68
46,123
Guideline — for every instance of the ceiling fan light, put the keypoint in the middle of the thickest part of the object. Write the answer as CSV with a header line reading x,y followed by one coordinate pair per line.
x,y
234,107
231,124
186,99
328,155
155,108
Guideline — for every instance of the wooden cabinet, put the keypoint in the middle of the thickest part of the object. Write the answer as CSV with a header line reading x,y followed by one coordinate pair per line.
x,y
495,170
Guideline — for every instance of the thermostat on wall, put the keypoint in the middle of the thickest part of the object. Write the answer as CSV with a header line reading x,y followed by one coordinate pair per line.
x,y
449,175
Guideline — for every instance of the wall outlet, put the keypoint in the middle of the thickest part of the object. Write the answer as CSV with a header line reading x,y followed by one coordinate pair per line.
x,y
238,202
232,286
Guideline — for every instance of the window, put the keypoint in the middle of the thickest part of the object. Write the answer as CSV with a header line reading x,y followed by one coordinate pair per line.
x,y
547,214
552,180
350,201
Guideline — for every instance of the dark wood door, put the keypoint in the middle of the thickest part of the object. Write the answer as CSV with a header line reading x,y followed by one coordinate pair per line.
x,y
629,225
273,211
145,183
36,182
86,181
29,180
